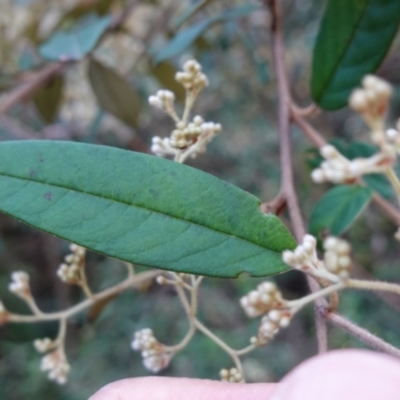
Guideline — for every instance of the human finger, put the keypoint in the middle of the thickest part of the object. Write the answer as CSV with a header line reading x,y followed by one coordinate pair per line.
x,y
343,374
161,388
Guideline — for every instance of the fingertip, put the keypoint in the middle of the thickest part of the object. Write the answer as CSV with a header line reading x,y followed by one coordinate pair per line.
x,y
160,388
343,374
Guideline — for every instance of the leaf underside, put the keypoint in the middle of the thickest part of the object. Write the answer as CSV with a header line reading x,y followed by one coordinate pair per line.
x,y
140,208
353,39
114,93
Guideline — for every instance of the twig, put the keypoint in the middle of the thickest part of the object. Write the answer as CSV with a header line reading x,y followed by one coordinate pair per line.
x,y
220,343
126,284
26,89
287,185
275,206
308,111
374,285
363,335
125,13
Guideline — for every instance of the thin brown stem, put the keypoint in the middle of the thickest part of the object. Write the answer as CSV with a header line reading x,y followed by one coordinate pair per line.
x,y
363,335
308,111
30,86
287,184
130,282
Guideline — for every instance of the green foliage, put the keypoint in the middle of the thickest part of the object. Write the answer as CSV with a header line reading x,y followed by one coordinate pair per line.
x,y
354,38
76,42
186,37
114,93
338,208
48,99
140,209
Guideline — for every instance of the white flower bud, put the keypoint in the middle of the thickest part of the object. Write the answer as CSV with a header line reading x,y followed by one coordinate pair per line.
x,y
274,315
344,262
318,175
330,243
198,120
329,152
289,258
358,101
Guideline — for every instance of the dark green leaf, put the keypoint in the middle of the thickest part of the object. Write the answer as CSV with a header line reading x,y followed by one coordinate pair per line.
x,y
338,208
76,42
186,37
353,40
114,93
140,208
48,99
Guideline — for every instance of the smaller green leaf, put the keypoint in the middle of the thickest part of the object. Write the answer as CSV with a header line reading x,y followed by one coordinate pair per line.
x,y
77,42
48,99
338,208
353,39
182,40
114,93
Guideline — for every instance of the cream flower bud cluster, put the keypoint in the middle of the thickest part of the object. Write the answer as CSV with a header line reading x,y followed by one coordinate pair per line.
x,y
207,132
258,302
337,256
304,258
69,272
372,100
154,353
20,284
56,366
44,345
231,375
338,169
196,135
164,100
372,103
184,136
192,78
270,326
161,147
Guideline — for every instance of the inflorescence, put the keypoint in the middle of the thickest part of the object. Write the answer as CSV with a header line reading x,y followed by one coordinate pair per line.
x,y
189,138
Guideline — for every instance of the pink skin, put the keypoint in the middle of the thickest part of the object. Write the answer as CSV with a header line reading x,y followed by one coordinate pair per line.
x,y
338,375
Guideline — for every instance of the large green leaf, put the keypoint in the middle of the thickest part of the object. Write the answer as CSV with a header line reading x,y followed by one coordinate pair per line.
x,y
338,208
353,40
140,208
77,42
182,40
114,93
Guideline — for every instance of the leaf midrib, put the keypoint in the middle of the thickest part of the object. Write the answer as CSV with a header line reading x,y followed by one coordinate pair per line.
x,y
142,208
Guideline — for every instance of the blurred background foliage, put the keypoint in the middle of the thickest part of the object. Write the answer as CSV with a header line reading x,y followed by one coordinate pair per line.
x,y
82,70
